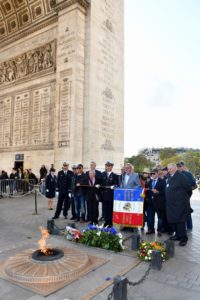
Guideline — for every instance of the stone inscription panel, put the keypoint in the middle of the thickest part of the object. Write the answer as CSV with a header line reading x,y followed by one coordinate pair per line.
x,y
5,121
64,113
21,119
41,111
27,118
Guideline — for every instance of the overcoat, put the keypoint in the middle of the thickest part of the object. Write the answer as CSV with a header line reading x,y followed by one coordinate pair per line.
x,y
177,193
50,185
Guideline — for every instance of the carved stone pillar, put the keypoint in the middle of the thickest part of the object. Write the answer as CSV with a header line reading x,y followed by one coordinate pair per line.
x,y
70,81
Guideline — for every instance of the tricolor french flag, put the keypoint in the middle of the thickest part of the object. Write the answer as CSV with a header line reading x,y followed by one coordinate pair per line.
x,y
128,207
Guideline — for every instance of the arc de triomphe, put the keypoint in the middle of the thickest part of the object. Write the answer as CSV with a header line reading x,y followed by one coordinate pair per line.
x,y
61,82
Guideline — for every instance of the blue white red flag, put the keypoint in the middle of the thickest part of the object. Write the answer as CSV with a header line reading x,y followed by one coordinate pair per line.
x,y
128,207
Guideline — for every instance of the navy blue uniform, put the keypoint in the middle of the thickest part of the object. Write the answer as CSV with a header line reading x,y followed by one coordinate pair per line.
x,y
107,196
64,187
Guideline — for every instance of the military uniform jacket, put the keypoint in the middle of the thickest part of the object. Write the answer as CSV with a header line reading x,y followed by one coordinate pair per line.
x,y
64,181
112,179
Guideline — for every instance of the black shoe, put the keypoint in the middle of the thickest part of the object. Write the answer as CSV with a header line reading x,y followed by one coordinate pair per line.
x,y
174,238
183,243
73,218
150,232
65,217
170,233
55,218
77,220
159,233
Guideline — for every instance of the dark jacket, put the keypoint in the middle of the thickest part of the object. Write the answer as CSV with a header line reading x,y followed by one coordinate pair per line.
x,y
43,172
177,194
107,193
50,185
98,177
82,179
64,181
14,176
159,198
32,178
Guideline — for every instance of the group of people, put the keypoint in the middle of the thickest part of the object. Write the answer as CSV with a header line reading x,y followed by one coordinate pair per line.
x,y
84,191
18,180
167,194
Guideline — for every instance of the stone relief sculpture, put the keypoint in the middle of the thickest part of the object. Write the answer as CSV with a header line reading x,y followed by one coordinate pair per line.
x,y
32,62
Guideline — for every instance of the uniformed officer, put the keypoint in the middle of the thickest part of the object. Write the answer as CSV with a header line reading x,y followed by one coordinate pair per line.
x,y
109,182
64,187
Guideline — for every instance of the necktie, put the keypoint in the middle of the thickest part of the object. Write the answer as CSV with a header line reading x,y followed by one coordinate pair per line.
x,y
153,183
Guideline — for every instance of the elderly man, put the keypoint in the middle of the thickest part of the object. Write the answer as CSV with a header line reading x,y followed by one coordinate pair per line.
x,y
192,181
177,193
131,179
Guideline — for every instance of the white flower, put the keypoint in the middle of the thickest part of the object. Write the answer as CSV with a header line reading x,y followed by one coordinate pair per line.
x,y
120,242
120,235
98,233
100,226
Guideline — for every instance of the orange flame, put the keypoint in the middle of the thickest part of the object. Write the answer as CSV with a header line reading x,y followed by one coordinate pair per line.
x,y
42,241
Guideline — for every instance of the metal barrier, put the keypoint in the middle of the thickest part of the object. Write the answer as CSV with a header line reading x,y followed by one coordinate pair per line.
x,y
16,187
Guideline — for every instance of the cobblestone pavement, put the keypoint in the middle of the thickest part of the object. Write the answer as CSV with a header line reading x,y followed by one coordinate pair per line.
x,y
179,277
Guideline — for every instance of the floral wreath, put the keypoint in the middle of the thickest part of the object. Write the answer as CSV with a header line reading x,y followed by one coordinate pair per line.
x,y
146,248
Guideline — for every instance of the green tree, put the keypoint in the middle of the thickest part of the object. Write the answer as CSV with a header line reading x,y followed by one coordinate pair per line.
x,y
167,153
192,161
140,162
170,160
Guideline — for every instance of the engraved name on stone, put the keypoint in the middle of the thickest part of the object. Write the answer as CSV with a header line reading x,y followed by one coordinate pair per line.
x,y
21,119
66,46
41,115
5,122
64,113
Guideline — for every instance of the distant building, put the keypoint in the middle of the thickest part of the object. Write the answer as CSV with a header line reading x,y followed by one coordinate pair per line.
x,y
153,154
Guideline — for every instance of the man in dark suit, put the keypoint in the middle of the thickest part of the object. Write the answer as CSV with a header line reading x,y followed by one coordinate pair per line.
x,y
98,175
64,187
109,181
98,182
177,192
156,202
192,181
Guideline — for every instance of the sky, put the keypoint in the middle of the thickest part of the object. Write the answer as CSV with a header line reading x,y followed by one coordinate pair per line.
x,y
162,74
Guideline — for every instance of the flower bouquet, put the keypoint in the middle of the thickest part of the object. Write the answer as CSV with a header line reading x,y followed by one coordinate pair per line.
x,y
97,236
146,248
73,234
102,237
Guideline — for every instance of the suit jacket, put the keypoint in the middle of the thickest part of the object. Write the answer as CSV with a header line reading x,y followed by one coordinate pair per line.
x,y
64,181
98,177
110,180
133,181
159,198
177,193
